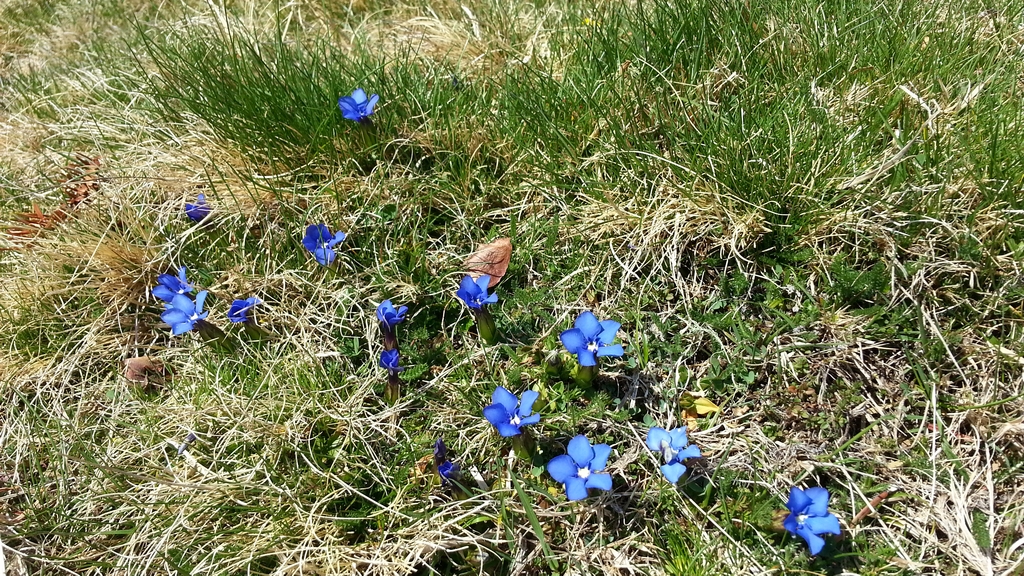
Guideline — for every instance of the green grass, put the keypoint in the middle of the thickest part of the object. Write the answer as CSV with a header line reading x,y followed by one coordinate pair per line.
x,y
811,215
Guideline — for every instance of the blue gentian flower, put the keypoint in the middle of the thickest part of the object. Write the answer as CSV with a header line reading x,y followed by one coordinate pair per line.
x,y
240,308
182,313
170,285
388,315
357,106
474,294
446,469
320,242
198,211
590,339
578,469
809,516
389,359
674,450
440,452
508,414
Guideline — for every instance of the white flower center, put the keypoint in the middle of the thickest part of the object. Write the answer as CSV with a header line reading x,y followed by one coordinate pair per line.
x,y
667,452
801,518
592,346
515,420
583,473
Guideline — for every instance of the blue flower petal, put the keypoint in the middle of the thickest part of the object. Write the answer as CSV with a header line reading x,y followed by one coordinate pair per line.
x,y
575,488
174,316
183,303
447,469
573,340
357,107
508,430
339,236
200,298
168,281
348,108
608,330
529,420
526,402
798,501
164,293
814,542
324,256
600,481
791,524
655,436
239,308
483,283
383,309
673,471
178,329
580,451
468,291
506,399
197,212
819,501
586,357
182,270
587,324
679,440
492,299
368,109
613,350
316,236
690,451
823,524
600,459
561,468
496,414
390,359
387,313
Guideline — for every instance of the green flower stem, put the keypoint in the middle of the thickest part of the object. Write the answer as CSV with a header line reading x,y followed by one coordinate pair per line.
x,y
256,332
393,388
485,326
585,374
524,446
215,337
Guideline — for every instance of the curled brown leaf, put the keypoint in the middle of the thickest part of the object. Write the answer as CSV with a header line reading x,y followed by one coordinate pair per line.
x,y
491,258
144,369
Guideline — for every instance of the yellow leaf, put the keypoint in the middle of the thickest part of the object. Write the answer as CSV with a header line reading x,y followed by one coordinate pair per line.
x,y
705,406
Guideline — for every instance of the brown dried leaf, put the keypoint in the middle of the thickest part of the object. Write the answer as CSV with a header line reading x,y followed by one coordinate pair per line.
x,y
689,417
144,369
491,258
81,179
34,218
423,470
